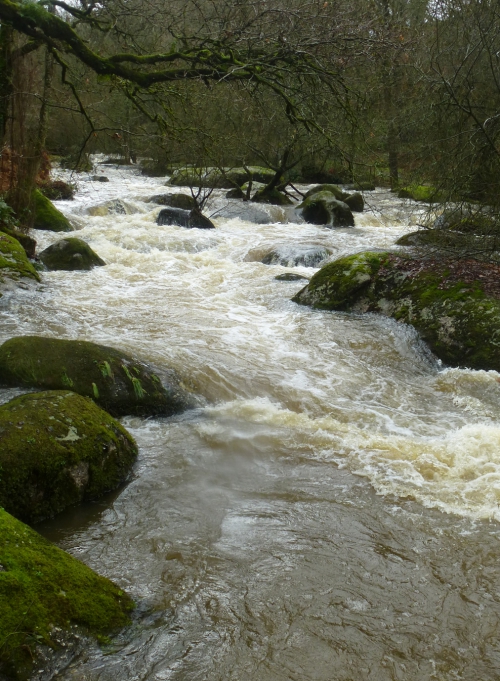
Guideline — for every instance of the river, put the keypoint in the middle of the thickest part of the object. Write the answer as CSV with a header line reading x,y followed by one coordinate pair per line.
x,y
330,512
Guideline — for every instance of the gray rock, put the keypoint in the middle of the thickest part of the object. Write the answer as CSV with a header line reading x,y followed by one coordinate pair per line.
x,y
184,218
294,256
70,254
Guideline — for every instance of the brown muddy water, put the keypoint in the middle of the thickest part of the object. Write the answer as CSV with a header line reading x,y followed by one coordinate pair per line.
x,y
330,512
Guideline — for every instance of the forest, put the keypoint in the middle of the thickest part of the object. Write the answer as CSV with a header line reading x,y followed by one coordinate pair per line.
x,y
249,340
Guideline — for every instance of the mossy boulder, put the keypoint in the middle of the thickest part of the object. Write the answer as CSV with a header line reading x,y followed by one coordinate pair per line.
x,y
227,178
14,263
112,207
290,276
420,192
114,380
449,306
272,196
355,202
27,242
337,192
48,217
43,590
57,449
174,201
468,219
58,190
322,208
70,254
191,219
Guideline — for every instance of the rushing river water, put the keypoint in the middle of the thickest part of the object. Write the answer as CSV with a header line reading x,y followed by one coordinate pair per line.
x,y
329,513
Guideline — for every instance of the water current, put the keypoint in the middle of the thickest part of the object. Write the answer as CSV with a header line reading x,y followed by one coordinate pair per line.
x,y
329,512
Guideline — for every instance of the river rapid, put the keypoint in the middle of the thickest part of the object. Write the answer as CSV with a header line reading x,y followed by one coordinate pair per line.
x,y
330,512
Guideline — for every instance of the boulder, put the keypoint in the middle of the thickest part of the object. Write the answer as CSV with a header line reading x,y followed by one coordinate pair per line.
x,y
295,256
337,192
14,263
58,449
355,202
445,301
27,242
272,196
290,276
58,190
48,217
184,218
323,208
112,207
468,219
174,201
70,254
114,380
215,178
245,211
44,591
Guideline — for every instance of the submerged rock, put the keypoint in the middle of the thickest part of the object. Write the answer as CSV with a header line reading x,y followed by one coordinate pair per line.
x,y
115,381
99,178
48,217
70,254
44,590
444,301
245,211
14,263
294,256
59,448
174,200
184,218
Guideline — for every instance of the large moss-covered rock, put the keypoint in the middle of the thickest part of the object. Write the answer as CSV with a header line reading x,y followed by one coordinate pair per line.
x,y
14,263
272,196
27,242
115,381
44,590
355,202
322,208
447,304
57,449
219,179
337,192
48,217
70,254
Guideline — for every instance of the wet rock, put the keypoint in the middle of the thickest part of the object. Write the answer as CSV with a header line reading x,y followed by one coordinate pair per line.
x,y
294,256
272,196
355,202
115,381
174,201
70,254
290,276
14,263
184,218
59,448
46,589
452,310
337,192
112,207
468,219
58,190
48,217
324,209
99,178
27,242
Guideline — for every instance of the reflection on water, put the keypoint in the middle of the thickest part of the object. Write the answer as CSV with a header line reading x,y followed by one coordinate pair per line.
x,y
293,528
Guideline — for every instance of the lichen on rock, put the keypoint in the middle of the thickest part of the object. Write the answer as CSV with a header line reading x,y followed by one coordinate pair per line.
x,y
454,313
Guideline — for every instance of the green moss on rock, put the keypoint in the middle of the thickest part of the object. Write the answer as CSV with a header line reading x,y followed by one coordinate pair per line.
x,y
271,196
70,254
458,320
57,449
14,262
115,381
420,192
48,217
322,208
41,588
